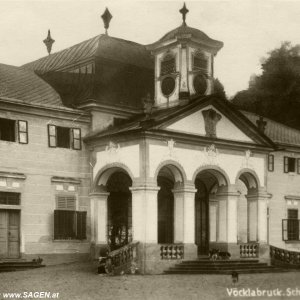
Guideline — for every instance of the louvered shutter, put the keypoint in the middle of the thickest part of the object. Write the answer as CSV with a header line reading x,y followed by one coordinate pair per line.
x,y
66,202
285,230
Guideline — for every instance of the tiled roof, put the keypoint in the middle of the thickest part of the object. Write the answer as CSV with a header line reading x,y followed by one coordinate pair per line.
x,y
99,46
277,132
25,85
186,30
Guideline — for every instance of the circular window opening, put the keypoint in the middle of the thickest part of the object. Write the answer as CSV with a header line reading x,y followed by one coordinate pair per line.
x,y
200,84
168,86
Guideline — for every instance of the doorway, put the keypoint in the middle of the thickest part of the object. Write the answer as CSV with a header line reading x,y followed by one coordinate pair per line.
x,y
9,233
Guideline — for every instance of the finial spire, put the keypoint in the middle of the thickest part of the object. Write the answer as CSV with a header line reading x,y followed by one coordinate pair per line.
x,y
106,17
49,42
184,12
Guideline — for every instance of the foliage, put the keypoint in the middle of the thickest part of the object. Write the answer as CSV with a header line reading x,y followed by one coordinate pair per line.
x,y
276,92
219,89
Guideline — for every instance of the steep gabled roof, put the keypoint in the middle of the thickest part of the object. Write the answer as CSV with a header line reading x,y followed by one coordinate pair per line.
x,y
277,132
160,118
19,84
99,46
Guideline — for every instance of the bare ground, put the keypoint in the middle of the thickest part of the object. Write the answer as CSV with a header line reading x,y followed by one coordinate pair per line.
x,y
80,281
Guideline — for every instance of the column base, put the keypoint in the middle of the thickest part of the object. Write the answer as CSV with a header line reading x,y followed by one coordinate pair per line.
x,y
264,253
97,250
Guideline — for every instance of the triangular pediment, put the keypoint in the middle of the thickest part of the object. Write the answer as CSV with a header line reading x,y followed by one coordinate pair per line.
x,y
211,122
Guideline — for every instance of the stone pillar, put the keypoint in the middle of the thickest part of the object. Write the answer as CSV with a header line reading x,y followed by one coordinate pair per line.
x,y
183,91
258,219
227,198
99,217
144,214
178,216
189,215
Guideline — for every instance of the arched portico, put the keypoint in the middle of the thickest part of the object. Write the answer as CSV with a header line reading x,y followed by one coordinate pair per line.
x,y
210,212
252,208
111,207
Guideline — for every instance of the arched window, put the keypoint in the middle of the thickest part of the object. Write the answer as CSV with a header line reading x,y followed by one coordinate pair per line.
x,y
168,65
200,61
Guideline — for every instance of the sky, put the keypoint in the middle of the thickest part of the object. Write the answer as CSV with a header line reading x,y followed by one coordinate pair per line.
x,y
248,29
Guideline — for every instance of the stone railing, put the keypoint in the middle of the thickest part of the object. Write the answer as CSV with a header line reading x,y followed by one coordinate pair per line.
x,y
123,260
249,250
285,257
172,251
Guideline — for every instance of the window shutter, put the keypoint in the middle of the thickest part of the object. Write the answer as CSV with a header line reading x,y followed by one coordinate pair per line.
x,y
64,224
51,136
285,164
284,230
81,225
66,202
298,165
76,138
23,132
270,162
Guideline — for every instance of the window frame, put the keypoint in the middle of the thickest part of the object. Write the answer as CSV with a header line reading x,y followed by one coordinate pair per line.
x,y
201,56
271,162
286,164
22,131
72,137
167,58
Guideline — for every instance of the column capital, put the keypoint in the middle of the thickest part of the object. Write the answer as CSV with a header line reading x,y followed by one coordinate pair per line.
x,y
98,194
228,190
140,188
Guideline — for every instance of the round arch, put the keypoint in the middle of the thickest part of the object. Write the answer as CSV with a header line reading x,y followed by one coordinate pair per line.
x,y
176,169
104,174
249,178
220,174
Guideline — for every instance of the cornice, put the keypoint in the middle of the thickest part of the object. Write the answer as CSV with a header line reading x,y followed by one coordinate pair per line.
x,y
64,113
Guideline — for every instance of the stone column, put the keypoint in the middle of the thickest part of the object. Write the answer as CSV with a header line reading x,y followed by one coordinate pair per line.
x,y
184,90
144,214
227,219
99,217
189,215
252,217
178,215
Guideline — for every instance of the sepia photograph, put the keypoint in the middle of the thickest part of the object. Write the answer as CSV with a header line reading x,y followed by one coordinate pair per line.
x,y
149,149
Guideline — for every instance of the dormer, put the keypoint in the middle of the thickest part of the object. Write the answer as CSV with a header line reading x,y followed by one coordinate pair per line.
x,y
184,59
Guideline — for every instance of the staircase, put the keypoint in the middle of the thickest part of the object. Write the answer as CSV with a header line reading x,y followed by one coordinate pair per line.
x,y
206,266
11,265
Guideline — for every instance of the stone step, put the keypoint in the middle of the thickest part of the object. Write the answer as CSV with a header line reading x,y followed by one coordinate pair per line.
x,y
223,267
227,272
17,265
229,261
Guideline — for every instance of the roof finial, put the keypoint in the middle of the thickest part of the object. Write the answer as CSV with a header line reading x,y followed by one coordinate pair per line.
x,y
49,42
106,17
184,12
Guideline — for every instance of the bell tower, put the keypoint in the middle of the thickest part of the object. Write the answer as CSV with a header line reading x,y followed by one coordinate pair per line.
x,y
184,59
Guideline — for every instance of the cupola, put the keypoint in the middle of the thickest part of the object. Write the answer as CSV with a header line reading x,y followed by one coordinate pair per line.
x,y
184,59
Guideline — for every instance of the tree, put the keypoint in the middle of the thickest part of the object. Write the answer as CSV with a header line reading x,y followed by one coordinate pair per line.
x,y
219,89
276,92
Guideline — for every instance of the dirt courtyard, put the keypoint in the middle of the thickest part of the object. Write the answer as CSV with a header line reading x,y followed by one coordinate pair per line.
x,y
80,281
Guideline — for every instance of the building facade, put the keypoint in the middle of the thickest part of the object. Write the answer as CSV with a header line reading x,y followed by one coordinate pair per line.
x,y
109,143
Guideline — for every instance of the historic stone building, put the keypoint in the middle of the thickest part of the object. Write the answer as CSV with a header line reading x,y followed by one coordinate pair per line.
x,y
110,142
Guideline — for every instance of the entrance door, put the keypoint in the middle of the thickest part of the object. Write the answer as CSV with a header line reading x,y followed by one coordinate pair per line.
x,y
201,222
9,234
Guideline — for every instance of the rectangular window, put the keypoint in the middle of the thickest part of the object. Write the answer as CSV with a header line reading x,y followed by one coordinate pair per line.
x,y
64,137
7,198
298,165
289,164
68,223
168,66
270,162
23,132
7,130
291,226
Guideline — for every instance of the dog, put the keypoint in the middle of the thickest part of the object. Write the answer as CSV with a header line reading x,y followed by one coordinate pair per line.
x,y
216,254
235,277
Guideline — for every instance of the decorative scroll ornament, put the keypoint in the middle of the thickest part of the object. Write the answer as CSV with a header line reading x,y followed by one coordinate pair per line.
x,y
247,160
112,151
211,155
211,118
171,152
